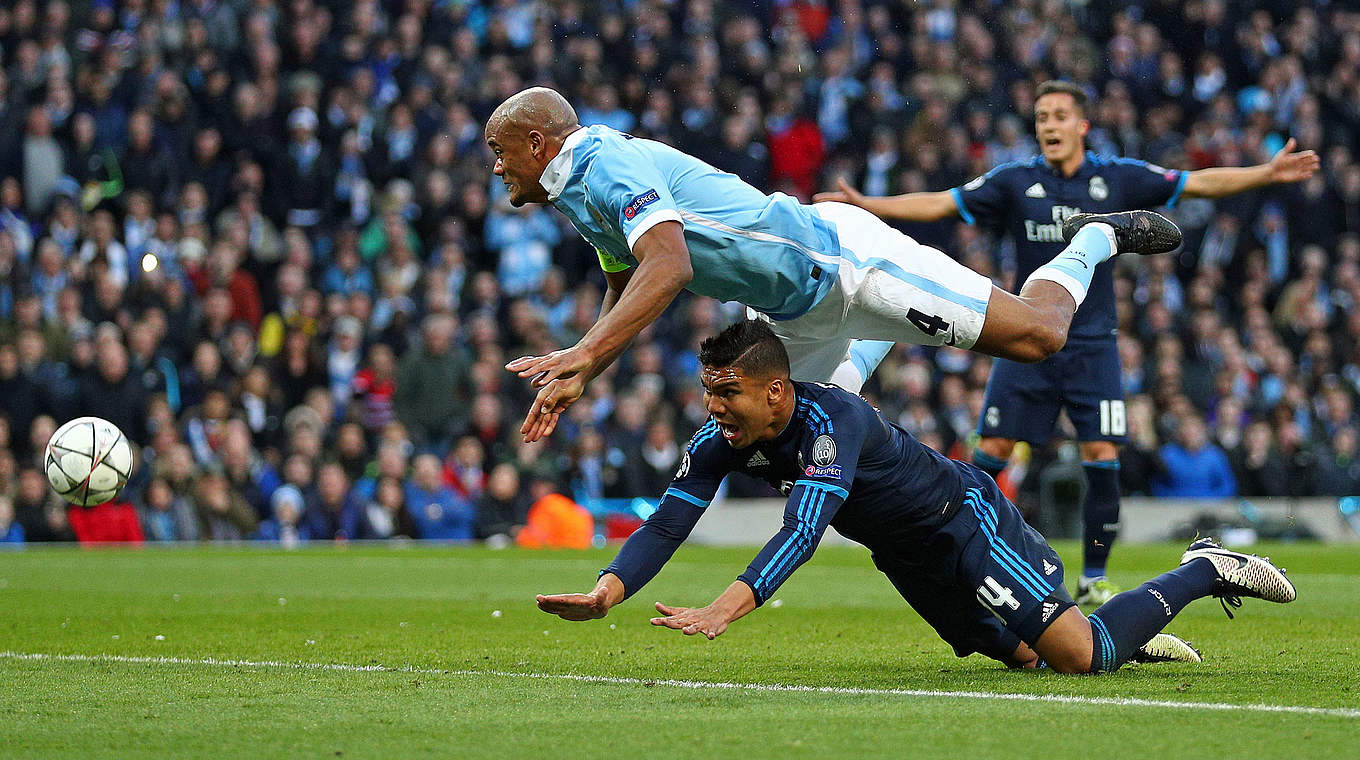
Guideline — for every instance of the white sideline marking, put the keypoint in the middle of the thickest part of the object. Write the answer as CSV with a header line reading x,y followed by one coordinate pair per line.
x,y
1335,712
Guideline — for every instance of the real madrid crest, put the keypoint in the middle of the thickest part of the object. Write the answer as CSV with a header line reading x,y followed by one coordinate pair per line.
x,y
1097,189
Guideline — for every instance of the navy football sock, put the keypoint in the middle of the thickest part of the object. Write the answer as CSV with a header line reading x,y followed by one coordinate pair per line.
x,y
988,463
1102,515
1131,619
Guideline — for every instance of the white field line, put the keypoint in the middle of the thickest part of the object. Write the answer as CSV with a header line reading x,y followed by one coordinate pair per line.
x,y
1335,712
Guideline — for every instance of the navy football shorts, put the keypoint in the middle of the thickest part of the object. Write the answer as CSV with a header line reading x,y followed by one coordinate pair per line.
x,y
985,581
1023,400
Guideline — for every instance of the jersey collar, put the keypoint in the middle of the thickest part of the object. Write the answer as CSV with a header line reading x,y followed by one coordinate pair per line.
x,y
558,170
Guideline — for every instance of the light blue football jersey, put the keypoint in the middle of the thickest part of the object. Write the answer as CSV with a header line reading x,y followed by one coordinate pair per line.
x,y
769,252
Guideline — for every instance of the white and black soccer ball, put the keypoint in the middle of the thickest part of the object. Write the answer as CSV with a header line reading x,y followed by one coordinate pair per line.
x,y
88,461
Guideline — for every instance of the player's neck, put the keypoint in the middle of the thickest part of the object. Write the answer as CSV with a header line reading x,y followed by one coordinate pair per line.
x,y
783,417
1069,166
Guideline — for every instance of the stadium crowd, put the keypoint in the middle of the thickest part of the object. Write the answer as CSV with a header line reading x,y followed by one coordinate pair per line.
x,y
264,240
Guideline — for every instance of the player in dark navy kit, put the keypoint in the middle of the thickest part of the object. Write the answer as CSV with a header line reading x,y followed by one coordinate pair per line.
x,y
941,530
1029,200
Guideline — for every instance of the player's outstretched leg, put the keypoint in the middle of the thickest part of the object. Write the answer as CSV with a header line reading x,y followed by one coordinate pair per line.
x,y
1144,232
1121,627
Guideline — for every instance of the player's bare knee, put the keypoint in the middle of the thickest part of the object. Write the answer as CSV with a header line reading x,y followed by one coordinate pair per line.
x,y
1070,661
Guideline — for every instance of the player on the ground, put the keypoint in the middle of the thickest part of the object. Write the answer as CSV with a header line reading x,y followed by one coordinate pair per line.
x,y
837,282
1029,200
941,530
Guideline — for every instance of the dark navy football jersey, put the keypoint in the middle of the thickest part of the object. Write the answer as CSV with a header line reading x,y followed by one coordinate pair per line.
x,y
838,461
1029,200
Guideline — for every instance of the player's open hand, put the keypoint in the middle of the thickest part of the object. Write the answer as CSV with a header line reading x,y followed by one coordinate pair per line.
x,y
547,368
846,194
548,406
590,606
691,620
560,378
1288,166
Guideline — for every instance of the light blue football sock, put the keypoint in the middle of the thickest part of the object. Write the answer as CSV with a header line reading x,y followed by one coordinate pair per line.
x,y
1072,269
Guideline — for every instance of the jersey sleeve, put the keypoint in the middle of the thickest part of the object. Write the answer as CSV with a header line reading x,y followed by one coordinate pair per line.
x,y
626,185
1149,185
706,461
986,198
830,456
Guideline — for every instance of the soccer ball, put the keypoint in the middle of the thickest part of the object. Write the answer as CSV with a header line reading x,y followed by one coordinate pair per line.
x,y
88,461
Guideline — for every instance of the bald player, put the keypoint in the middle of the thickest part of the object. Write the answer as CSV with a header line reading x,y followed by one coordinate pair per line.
x,y
838,285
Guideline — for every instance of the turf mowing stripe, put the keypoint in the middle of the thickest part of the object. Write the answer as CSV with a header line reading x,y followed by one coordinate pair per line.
x,y
1335,712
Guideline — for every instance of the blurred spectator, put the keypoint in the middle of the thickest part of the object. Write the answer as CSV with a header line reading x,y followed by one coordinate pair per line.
x,y
438,512
386,513
1192,467
286,507
332,514
111,522
166,516
433,386
223,514
11,532
503,507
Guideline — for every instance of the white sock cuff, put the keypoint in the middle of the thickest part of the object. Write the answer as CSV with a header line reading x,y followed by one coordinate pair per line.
x,y
1068,282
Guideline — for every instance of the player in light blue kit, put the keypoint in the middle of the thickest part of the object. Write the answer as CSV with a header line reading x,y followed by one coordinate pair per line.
x,y
836,283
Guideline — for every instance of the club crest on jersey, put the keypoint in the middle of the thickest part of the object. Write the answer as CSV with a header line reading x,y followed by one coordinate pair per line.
x,y
1036,190
1097,188
684,467
639,203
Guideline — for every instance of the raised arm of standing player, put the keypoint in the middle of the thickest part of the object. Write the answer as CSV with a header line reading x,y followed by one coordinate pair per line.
x,y
1285,166
911,207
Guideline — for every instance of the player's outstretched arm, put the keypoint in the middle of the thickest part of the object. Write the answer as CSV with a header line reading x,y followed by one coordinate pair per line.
x,y
1285,166
663,270
607,593
911,207
710,621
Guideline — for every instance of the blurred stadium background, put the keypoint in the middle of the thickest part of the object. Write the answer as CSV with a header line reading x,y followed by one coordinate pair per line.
x,y
264,240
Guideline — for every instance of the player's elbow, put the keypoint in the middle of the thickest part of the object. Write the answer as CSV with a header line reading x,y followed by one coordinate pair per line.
x,y
1039,342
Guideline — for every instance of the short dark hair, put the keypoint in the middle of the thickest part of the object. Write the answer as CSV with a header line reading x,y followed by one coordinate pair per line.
x,y
750,345
1058,86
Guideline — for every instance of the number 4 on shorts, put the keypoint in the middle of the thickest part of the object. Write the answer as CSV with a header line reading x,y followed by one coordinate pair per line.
x,y
930,324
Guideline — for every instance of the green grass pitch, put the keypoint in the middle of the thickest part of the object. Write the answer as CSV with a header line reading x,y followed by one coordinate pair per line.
x,y
228,653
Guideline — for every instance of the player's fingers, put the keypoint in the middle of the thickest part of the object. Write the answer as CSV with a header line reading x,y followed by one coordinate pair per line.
x,y
517,364
666,609
845,187
550,425
1290,145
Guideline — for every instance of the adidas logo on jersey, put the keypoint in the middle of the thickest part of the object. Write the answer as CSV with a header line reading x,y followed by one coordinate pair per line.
x,y
1049,609
1036,190
1049,567
758,460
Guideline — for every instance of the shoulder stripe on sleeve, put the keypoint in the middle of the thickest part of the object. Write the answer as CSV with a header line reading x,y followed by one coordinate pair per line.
x,y
706,432
841,492
682,496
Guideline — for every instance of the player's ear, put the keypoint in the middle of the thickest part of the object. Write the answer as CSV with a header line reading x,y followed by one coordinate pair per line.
x,y
537,142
